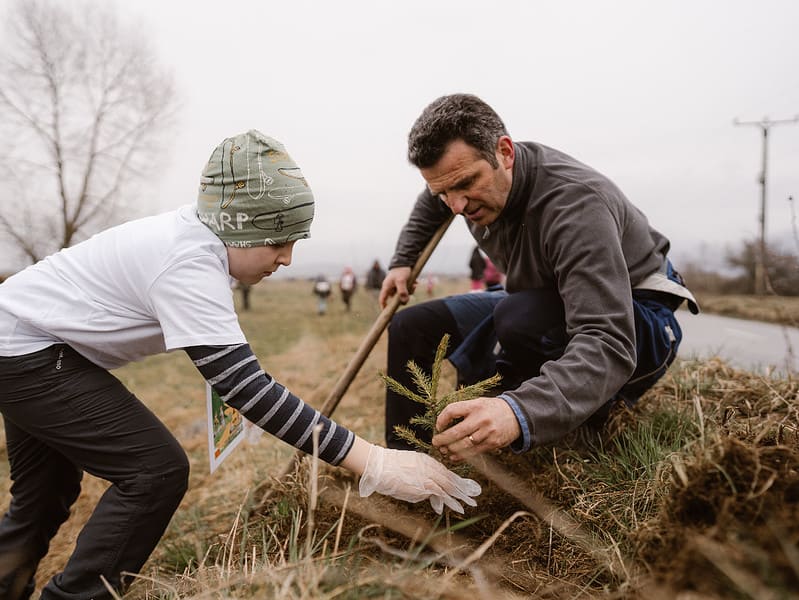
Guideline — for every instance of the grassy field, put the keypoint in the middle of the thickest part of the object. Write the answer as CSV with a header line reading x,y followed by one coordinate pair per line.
x,y
783,310
695,492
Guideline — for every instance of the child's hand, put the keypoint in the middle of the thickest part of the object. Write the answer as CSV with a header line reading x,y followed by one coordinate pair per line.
x,y
413,477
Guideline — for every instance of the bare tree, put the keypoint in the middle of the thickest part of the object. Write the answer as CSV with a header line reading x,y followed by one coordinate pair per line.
x,y
84,108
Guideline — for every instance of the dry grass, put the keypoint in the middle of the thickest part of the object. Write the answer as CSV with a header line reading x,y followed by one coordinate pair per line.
x,y
783,310
694,493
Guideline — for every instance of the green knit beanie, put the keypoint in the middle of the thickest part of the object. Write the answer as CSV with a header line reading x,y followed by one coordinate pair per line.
x,y
253,194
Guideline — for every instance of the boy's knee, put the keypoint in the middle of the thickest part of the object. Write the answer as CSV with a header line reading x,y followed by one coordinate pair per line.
x,y
165,483
174,478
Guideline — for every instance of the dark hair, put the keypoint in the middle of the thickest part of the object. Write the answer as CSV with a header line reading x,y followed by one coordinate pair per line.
x,y
457,116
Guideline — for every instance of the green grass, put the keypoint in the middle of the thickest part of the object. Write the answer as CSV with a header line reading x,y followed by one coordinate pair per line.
x,y
637,452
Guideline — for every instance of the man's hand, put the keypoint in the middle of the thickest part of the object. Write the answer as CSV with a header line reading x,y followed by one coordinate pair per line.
x,y
396,282
488,424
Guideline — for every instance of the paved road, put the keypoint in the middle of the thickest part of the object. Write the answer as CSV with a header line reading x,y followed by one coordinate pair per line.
x,y
749,345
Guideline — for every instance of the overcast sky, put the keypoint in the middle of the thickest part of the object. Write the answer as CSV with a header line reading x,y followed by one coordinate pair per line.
x,y
646,92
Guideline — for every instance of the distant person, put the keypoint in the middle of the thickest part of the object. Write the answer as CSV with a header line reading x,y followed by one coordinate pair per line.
x,y
322,289
587,320
477,265
346,285
375,277
430,285
148,286
244,290
492,278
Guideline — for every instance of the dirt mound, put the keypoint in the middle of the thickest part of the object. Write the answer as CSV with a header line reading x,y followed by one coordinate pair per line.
x,y
732,517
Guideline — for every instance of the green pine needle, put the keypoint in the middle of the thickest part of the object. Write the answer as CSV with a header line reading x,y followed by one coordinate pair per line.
x,y
400,389
428,386
409,436
421,379
476,390
437,362
420,420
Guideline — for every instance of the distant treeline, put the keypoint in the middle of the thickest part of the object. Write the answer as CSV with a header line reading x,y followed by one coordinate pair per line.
x,y
782,270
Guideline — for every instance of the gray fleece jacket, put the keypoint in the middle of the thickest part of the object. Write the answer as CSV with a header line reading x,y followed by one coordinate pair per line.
x,y
565,227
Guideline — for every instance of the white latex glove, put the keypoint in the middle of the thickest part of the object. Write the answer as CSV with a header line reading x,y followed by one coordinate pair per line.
x,y
413,477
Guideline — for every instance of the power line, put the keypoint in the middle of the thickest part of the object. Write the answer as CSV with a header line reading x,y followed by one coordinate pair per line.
x,y
761,280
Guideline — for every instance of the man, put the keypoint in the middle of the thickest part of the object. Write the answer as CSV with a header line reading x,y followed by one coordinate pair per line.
x,y
588,316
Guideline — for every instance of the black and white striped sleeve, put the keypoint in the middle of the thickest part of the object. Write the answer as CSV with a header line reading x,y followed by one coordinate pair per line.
x,y
234,374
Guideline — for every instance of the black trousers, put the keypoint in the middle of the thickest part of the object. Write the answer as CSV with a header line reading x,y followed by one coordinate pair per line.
x,y
64,415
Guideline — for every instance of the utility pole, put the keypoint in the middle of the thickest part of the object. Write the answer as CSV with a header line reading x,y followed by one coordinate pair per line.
x,y
761,280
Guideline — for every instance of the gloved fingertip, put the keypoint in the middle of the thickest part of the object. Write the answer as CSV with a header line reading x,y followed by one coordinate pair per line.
x,y
471,487
454,505
437,503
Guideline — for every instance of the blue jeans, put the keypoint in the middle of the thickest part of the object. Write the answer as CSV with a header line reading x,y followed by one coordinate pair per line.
x,y
530,326
514,334
64,415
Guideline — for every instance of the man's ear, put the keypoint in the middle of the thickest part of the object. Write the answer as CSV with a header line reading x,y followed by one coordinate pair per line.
x,y
506,153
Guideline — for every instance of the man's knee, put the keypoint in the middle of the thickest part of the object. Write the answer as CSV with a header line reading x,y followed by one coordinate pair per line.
x,y
402,323
506,325
422,326
531,321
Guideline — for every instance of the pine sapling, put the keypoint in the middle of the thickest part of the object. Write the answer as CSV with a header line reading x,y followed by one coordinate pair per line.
x,y
428,396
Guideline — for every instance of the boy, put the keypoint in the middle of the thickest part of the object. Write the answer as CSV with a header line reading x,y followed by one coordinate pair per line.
x,y
157,284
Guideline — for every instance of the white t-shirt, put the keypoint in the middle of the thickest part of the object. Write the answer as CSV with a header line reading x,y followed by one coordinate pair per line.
x,y
148,286
347,282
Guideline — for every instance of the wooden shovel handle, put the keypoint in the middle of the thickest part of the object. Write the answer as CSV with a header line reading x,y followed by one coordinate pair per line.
x,y
382,321
368,343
